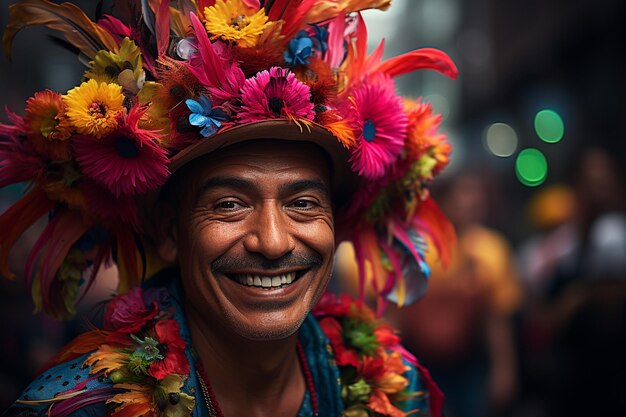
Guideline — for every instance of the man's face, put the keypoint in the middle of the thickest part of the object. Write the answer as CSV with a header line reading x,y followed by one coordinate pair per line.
x,y
255,238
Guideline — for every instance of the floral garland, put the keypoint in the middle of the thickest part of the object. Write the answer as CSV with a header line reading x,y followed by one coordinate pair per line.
x,y
369,356
141,352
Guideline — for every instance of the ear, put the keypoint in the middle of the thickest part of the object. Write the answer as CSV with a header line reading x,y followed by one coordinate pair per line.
x,y
166,231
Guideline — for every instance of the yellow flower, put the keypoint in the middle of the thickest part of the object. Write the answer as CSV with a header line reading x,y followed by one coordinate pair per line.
x,y
93,107
123,67
231,20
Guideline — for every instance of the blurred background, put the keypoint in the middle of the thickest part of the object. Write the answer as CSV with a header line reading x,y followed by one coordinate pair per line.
x,y
530,318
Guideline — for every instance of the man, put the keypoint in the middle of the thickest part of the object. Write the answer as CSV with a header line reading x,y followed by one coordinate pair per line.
x,y
258,143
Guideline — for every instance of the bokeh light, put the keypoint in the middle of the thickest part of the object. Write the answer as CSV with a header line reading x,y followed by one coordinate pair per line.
x,y
531,167
501,139
549,126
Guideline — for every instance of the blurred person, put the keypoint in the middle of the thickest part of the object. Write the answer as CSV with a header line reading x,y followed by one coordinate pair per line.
x,y
582,314
462,328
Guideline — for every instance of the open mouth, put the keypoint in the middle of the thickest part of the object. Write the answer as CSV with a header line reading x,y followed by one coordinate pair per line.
x,y
268,282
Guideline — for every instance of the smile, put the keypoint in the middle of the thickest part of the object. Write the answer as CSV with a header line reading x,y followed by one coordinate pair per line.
x,y
265,281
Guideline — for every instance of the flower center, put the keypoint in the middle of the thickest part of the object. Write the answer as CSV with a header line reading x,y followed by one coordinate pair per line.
x,y
97,110
126,148
239,22
276,105
369,131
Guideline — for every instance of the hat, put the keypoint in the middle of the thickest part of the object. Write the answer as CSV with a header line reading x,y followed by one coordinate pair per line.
x,y
170,80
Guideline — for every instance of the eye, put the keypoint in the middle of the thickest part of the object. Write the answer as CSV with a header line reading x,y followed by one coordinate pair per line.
x,y
228,205
304,204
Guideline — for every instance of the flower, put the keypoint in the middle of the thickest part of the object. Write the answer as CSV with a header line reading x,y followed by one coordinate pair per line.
x,y
232,21
129,160
380,126
299,49
128,313
275,94
384,375
175,361
93,107
48,127
205,116
123,67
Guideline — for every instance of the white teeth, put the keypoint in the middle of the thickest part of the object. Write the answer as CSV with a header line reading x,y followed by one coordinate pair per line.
x,y
266,282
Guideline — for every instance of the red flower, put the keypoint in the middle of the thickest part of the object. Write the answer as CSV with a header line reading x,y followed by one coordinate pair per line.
x,y
175,361
128,313
331,305
386,335
333,330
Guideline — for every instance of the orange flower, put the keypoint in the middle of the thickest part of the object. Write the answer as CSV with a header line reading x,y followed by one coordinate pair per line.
x,y
422,128
384,375
48,128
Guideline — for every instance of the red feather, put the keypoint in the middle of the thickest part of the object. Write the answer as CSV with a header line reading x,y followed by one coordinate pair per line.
x,y
426,58
68,229
162,29
438,227
16,219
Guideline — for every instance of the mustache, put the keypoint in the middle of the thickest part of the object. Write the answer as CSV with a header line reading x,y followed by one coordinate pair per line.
x,y
253,261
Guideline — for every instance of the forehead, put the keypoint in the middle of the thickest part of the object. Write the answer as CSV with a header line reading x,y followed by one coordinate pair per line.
x,y
262,158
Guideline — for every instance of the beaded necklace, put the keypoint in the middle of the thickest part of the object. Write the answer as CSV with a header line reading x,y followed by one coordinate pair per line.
x,y
214,407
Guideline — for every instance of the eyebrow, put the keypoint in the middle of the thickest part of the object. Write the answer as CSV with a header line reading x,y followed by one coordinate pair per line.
x,y
239,183
303,185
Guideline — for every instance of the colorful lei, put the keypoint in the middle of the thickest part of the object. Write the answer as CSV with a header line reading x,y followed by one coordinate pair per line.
x,y
141,353
370,359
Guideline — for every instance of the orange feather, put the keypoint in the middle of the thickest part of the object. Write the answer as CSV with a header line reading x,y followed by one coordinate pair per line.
x,y
67,18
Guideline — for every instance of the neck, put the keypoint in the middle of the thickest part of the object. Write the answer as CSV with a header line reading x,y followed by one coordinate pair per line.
x,y
249,377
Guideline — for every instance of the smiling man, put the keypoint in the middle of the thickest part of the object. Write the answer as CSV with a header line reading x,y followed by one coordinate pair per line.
x,y
219,152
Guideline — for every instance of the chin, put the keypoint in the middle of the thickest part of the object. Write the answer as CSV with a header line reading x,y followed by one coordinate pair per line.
x,y
268,330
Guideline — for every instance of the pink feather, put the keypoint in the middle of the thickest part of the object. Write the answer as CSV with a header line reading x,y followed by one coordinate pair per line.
x,y
115,27
206,65
336,51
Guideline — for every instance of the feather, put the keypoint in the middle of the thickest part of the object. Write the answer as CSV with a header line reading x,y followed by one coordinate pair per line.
x,y
202,4
163,27
67,18
425,58
430,218
70,406
67,231
148,15
292,13
127,262
19,217
18,160
206,65
84,343
115,27
336,51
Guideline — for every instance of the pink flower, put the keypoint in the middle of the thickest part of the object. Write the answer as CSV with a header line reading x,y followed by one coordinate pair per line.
x,y
127,313
175,361
380,123
275,94
127,161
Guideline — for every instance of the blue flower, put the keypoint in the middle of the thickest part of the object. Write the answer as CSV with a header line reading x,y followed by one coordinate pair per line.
x,y
300,48
320,39
204,115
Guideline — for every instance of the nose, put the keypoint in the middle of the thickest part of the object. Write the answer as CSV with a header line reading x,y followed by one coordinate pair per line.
x,y
270,235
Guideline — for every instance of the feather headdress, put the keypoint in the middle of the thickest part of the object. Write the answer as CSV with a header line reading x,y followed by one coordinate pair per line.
x,y
165,75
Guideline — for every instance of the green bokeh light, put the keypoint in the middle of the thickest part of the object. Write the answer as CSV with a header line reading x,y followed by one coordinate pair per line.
x,y
549,126
531,167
